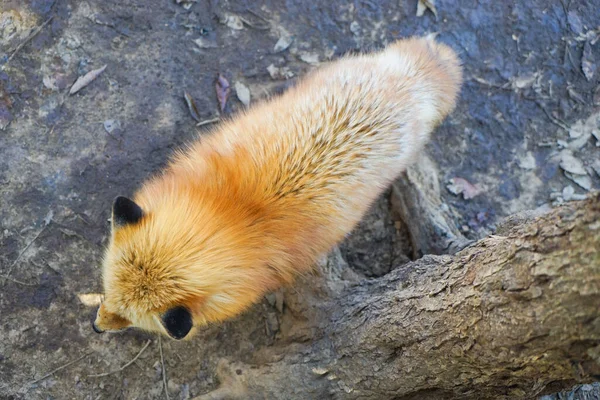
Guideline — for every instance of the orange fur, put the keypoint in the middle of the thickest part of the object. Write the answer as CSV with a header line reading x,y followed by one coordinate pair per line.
x,y
248,208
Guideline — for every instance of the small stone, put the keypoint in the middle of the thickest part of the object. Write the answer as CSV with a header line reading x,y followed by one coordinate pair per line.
x,y
173,386
271,298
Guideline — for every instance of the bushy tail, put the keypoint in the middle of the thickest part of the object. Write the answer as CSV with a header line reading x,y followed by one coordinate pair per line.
x,y
439,67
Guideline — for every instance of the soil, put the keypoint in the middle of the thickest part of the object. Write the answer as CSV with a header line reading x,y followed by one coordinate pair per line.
x,y
527,105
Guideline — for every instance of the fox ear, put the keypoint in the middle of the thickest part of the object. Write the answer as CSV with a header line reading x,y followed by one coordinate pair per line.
x,y
177,322
125,211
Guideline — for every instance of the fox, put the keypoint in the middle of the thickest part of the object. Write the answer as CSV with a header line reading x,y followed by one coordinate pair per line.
x,y
251,206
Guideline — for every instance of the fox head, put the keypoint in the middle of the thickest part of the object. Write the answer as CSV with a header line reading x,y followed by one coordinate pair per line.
x,y
172,266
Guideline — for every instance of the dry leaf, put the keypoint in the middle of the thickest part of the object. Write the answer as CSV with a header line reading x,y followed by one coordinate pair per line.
x,y
521,82
205,43
310,58
571,164
233,21
588,65
423,5
243,93
90,299
460,185
191,104
528,161
283,43
223,89
583,181
574,95
111,124
596,167
5,105
279,73
575,22
85,80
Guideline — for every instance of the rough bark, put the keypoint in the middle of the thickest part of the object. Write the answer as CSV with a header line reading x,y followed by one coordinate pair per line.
x,y
417,199
510,316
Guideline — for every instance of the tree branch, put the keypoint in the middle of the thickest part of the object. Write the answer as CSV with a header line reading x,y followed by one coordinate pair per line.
x,y
514,315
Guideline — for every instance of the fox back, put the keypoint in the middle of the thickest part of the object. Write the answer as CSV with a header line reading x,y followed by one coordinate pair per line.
x,y
251,206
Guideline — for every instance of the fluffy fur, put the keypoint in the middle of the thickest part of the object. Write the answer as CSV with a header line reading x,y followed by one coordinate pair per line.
x,y
246,209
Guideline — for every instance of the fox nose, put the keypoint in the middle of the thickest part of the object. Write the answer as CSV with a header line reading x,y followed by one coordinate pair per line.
x,y
96,329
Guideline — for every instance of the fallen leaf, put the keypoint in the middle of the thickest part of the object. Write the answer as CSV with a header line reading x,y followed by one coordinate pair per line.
x,y
568,192
279,73
223,89
574,95
423,5
283,43
571,164
191,104
111,124
582,130
355,28
243,93
90,299
583,181
521,82
205,43
233,21
6,116
596,134
596,167
528,161
208,121
575,22
460,185
588,65
310,58
85,80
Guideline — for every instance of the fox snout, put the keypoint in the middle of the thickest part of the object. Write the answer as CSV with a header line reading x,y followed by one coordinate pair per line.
x,y
107,321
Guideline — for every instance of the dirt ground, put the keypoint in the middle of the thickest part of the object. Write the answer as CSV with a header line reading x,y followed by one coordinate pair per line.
x,y
526,133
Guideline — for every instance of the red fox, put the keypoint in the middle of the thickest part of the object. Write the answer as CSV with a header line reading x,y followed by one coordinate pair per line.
x,y
251,206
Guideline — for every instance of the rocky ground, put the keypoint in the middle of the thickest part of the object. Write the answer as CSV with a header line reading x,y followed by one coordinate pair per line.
x,y
526,133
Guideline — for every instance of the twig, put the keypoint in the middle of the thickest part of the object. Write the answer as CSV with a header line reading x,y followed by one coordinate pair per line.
x,y
124,366
16,281
49,374
6,276
164,371
552,119
208,121
489,84
28,38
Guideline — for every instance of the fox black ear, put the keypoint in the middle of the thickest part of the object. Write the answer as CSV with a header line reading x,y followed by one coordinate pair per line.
x,y
126,211
177,322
